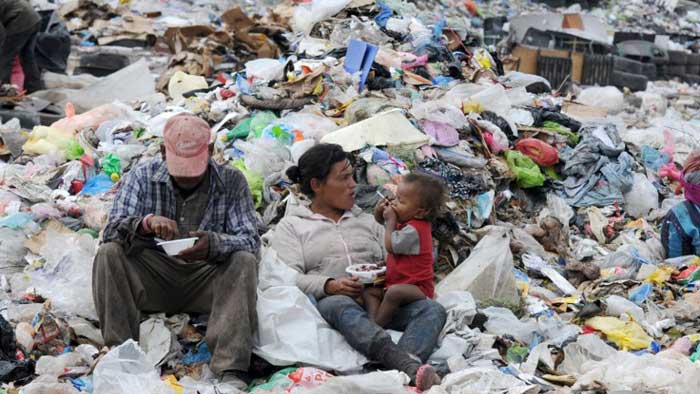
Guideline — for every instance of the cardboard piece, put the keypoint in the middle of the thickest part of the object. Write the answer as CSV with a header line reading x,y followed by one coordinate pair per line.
x,y
387,128
572,21
360,57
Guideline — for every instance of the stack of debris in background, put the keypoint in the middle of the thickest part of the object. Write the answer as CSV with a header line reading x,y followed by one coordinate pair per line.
x,y
550,262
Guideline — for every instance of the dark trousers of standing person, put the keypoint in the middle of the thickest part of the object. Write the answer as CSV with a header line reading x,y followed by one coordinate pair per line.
x,y
22,45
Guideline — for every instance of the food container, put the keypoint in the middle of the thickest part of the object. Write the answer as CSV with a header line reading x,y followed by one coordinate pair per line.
x,y
173,248
367,273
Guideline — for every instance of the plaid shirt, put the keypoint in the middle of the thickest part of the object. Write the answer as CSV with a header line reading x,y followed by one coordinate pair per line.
x,y
229,217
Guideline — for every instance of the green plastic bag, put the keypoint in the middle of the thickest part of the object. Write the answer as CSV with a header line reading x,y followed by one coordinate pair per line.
x,y
278,380
260,121
73,150
517,354
556,127
111,164
241,130
526,171
255,181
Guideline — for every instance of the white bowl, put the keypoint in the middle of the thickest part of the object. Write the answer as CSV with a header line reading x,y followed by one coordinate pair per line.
x,y
365,276
173,248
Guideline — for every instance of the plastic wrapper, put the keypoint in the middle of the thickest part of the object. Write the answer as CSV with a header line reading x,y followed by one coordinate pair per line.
x,y
525,169
126,370
73,124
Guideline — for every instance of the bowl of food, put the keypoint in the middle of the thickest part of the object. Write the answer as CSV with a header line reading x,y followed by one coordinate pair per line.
x,y
367,273
174,247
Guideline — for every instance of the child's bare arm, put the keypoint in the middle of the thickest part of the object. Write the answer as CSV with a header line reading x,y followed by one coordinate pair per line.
x,y
390,221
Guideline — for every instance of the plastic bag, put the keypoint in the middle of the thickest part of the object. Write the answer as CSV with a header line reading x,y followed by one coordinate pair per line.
x,y
617,306
488,272
291,329
311,125
47,140
260,121
308,14
525,169
608,97
255,182
98,184
626,335
264,156
92,119
265,69
126,370
502,321
436,111
642,198
539,151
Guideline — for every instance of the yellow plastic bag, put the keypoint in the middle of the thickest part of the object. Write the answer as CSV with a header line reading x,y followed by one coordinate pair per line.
x,y
626,335
47,140
661,275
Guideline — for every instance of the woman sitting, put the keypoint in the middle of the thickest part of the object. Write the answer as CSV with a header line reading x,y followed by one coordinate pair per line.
x,y
321,239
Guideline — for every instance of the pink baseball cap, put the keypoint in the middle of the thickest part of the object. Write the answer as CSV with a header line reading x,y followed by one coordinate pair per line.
x,y
186,145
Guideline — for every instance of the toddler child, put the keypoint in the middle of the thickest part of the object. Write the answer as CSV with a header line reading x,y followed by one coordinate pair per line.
x,y
409,243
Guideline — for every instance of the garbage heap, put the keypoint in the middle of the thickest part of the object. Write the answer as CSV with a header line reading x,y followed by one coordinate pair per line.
x,y
550,262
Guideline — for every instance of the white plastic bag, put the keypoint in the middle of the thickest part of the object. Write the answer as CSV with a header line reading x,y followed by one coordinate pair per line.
x,y
618,306
642,198
265,69
291,330
487,273
380,382
126,370
502,321
608,97
307,15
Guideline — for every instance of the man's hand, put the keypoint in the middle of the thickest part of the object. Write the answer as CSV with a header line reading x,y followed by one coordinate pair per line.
x,y
200,250
350,287
163,227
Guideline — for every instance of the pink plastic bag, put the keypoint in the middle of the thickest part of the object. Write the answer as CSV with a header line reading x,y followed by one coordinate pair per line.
x,y
17,77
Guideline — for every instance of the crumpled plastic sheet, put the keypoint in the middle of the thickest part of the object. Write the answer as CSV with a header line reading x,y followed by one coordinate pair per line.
x,y
666,372
66,277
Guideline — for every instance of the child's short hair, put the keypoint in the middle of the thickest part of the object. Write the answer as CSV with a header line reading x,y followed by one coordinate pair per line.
x,y
432,193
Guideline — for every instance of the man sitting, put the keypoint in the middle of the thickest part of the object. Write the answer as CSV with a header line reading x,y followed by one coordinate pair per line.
x,y
183,195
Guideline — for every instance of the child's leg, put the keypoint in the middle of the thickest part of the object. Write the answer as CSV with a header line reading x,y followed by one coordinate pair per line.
x,y
394,297
372,296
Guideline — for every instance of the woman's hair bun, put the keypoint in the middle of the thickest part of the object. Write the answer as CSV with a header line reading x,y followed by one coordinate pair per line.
x,y
294,174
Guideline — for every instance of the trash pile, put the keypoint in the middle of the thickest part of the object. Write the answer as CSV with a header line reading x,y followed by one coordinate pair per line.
x,y
550,262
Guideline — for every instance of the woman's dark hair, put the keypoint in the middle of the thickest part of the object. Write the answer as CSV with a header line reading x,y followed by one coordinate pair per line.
x,y
315,163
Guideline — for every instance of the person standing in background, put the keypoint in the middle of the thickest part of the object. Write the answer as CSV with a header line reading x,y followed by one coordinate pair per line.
x,y
19,27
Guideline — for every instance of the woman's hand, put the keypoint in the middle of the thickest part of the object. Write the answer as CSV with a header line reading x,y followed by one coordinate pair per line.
x,y
350,287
